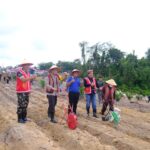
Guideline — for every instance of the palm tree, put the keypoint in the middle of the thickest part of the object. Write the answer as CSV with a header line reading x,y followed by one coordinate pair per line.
x,y
83,46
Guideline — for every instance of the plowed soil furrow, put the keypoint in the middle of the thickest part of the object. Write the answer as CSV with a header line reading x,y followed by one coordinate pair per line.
x,y
133,132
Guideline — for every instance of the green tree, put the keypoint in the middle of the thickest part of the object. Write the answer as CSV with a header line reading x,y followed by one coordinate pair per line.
x,y
69,66
45,66
83,45
148,54
115,55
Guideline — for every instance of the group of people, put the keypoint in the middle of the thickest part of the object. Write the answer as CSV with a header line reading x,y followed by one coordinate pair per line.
x,y
106,91
5,76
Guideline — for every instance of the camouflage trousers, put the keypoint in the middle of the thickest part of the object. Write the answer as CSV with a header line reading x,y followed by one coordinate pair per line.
x,y
23,101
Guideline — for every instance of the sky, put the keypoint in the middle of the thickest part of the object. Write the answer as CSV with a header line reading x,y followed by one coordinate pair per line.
x,y
50,30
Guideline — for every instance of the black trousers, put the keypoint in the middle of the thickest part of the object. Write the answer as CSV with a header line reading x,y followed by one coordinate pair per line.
x,y
52,101
7,80
73,101
23,101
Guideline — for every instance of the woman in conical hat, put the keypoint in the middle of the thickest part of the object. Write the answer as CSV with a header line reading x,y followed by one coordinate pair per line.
x,y
23,88
108,96
25,62
52,90
111,82
54,67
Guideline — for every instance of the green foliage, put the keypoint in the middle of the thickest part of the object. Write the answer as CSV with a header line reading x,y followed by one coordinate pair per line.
x,y
131,74
148,54
45,66
14,77
82,91
119,95
129,95
42,83
139,97
83,46
69,66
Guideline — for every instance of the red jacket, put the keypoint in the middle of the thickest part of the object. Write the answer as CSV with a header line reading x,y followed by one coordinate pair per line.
x,y
23,87
108,93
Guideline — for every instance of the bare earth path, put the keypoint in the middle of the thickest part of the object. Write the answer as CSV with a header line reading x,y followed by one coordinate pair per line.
x,y
133,133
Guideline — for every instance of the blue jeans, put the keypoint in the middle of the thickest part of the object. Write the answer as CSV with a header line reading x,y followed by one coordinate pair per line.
x,y
91,98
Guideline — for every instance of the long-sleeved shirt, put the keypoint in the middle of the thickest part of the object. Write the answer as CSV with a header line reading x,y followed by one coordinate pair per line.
x,y
88,85
51,85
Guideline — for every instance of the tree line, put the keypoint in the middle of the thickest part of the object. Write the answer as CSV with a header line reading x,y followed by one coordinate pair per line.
x,y
131,73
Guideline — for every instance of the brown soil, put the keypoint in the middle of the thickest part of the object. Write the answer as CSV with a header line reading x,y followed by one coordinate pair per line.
x,y
133,132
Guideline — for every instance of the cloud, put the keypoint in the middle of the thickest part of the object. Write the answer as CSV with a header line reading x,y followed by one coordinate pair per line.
x,y
7,30
3,45
39,45
51,30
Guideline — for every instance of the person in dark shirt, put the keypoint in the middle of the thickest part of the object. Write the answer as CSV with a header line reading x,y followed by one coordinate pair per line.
x,y
100,93
90,85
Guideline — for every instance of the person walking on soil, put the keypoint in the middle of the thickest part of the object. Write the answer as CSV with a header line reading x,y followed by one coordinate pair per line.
x,y
90,85
73,85
7,77
23,89
52,90
108,96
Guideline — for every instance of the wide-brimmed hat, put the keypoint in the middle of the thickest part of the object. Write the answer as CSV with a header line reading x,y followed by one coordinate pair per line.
x,y
75,70
111,82
25,62
54,67
89,71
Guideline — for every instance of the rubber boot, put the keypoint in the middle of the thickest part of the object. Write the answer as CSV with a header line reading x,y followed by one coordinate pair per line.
x,y
52,118
88,112
94,114
49,114
20,119
24,117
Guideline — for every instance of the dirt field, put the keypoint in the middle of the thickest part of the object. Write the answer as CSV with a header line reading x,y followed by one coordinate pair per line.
x,y
133,133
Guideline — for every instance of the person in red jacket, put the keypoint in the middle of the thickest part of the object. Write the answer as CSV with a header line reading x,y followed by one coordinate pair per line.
x,y
23,89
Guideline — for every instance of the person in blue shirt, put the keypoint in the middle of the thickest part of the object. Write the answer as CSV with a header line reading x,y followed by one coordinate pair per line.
x,y
73,85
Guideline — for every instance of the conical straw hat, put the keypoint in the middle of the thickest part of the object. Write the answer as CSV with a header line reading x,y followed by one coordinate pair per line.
x,y
25,62
54,67
111,82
